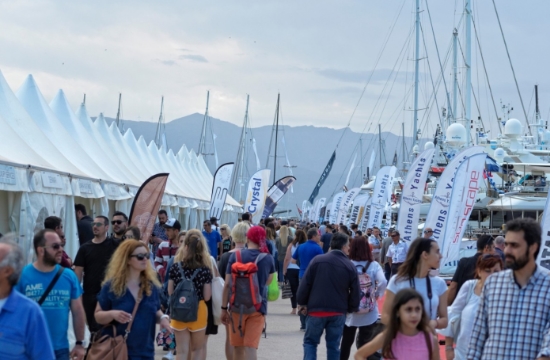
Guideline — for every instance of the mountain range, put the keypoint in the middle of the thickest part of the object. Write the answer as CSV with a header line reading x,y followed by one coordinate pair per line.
x,y
308,147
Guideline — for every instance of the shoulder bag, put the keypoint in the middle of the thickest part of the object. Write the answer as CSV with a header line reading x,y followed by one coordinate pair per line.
x,y
50,287
455,320
113,347
217,294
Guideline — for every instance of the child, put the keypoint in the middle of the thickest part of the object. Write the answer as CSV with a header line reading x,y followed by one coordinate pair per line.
x,y
408,335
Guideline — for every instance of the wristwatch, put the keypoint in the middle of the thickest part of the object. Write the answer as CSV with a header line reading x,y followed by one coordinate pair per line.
x,y
78,342
224,307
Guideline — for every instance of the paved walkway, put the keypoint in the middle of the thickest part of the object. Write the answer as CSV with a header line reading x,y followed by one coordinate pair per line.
x,y
283,342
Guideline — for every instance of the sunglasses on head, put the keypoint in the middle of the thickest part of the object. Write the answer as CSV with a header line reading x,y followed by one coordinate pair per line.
x,y
490,256
98,224
141,256
54,246
118,222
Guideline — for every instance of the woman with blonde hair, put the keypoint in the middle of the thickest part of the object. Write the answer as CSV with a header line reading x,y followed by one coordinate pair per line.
x,y
131,280
227,241
282,241
194,255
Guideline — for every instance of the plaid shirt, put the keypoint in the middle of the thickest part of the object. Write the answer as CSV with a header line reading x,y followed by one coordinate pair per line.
x,y
512,322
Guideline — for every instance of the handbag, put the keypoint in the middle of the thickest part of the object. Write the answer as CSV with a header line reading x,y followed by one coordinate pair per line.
x,y
113,347
287,291
166,340
217,294
455,319
273,289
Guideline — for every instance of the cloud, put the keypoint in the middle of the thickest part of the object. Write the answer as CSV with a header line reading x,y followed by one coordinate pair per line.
x,y
196,58
168,62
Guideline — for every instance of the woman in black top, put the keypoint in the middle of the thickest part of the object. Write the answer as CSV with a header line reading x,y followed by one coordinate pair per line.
x,y
227,241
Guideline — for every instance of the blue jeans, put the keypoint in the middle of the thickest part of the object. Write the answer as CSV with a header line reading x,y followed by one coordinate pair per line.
x,y
62,354
280,275
333,327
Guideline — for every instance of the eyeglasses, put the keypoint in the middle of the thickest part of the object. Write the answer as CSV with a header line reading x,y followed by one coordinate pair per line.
x,y
129,236
141,256
54,246
98,224
428,231
394,235
118,222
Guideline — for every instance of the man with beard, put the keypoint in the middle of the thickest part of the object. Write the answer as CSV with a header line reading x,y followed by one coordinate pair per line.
x,y
54,223
120,224
90,262
513,319
64,295
159,233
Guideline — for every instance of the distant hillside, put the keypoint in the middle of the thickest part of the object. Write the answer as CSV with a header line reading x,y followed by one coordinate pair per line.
x,y
309,148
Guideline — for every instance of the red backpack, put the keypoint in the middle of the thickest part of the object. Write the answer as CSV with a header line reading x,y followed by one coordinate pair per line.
x,y
244,288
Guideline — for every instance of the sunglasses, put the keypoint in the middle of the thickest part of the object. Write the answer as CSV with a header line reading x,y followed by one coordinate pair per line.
x,y
428,231
118,222
395,235
98,224
54,246
141,256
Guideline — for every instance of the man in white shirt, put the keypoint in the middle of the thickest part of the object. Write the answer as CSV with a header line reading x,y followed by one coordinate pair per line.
x,y
376,241
397,252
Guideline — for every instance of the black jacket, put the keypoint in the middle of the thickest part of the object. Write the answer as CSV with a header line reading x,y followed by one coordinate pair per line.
x,y
85,232
330,284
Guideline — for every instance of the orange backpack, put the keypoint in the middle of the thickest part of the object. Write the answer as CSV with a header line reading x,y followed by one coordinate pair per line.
x,y
244,288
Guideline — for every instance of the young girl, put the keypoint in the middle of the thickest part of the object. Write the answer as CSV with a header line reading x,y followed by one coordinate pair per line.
x,y
408,335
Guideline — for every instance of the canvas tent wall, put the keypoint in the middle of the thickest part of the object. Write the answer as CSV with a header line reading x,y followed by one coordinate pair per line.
x,y
52,158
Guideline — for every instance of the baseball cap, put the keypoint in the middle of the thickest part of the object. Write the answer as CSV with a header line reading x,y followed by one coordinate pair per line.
x,y
173,223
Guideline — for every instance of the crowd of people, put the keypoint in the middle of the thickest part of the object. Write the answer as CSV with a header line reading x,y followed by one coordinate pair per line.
x,y
176,288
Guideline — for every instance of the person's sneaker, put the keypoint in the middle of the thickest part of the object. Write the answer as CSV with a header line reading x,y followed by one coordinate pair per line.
x,y
168,356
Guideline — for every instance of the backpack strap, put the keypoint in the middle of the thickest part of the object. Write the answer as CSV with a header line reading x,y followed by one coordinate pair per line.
x,y
195,274
259,258
51,285
238,257
363,269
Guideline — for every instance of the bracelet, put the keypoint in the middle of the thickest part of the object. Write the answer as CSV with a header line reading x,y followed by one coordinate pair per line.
x,y
449,347
224,307
164,317
78,342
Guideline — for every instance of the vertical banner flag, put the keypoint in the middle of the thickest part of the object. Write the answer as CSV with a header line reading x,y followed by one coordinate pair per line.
x,y
313,209
336,202
439,209
381,195
220,188
302,213
350,170
257,192
322,214
320,206
364,219
327,211
358,208
275,193
468,178
411,195
322,179
346,204
544,252
147,204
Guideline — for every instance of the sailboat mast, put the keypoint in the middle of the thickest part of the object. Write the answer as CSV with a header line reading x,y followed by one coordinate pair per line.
x,y
84,100
468,66
403,149
380,143
158,135
118,112
202,142
276,137
455,74
361,152
416,71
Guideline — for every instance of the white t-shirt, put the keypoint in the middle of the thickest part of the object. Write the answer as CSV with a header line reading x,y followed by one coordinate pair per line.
x,y
438,288
376,274
376,242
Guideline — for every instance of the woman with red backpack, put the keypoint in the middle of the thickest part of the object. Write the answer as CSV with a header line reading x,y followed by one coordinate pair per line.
x,y
372,282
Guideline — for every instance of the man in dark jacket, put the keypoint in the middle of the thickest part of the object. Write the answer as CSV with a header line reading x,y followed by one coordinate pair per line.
x,y
325,238
83,224
330,288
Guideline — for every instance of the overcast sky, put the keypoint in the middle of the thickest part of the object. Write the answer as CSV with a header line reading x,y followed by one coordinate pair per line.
x,y
318,54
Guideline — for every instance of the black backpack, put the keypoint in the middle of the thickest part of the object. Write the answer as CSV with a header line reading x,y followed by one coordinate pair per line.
x,y
184,302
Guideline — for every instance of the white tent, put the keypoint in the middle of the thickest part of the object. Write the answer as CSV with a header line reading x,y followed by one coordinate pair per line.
x,y
52,158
